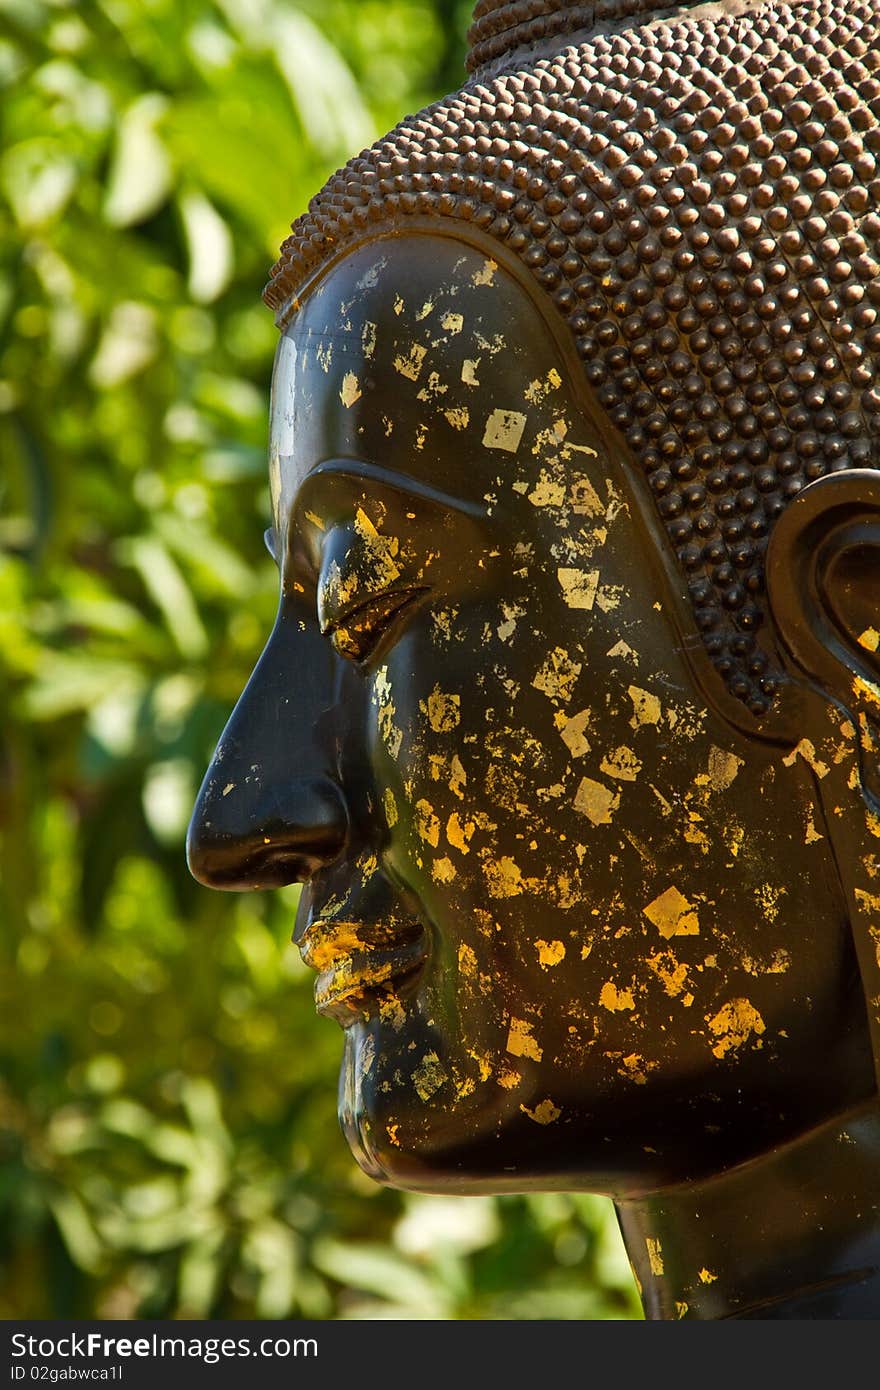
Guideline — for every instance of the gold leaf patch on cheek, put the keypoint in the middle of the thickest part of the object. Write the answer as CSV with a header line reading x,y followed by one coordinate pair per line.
x,y
722,770
521,1041
544,1113
504,430
547,492
458,417
672,914
350,391
646,707
571,731
443,870
806,750
671,973
392,737
734,1025
469,371
428,1076
596,801
503,877
614,999
578,587
459,832
427,824
410,364
443,712
467,961
634,1068
621,764
558,675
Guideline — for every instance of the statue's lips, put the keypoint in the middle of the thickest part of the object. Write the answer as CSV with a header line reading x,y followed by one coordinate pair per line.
x,y
361,967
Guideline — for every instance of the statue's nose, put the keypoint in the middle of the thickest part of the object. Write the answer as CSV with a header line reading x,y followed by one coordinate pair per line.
x,y
270,810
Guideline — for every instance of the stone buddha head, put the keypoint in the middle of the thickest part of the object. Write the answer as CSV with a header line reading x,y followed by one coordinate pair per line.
x,y
567,724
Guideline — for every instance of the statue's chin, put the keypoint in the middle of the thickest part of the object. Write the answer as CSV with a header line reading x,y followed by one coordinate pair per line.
x,y
492,1140
490,1143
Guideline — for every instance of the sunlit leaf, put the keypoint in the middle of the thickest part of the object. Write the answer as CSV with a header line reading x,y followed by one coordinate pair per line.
x,y
68,681
76,1230
128,345
323,89
140,175
378,1270
209,246
38,178
168,795
168,589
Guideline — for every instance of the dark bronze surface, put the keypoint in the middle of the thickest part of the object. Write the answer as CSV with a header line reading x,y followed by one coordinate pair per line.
x,y
568,719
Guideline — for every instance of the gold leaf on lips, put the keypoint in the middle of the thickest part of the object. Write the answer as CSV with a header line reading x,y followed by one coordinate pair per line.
x,y
326,944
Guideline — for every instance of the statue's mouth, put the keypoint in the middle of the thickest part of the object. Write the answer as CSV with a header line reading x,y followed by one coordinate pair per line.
x,y
363,969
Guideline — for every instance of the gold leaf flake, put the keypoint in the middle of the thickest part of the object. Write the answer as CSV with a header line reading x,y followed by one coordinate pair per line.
x,y
597,802
557,677
503,877
443,870
549,953
672,914
351,390
646,707
410,365
544,1113
622,764
614,999
429,1076
442,711
504,430
578,587
733,1025
521,1041
571,731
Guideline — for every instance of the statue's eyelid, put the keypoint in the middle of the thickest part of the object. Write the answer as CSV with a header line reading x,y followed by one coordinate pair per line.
x,y
359,632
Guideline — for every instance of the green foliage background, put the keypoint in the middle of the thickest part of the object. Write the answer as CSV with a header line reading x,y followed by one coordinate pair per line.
x,y
168,1141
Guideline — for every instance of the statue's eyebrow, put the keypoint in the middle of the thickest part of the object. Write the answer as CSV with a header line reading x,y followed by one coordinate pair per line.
x,y
358,470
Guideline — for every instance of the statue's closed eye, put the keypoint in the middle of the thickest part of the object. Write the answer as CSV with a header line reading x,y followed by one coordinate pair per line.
x,y
360,633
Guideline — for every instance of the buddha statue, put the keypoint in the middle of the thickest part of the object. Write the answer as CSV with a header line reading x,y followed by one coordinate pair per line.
x,y
568,724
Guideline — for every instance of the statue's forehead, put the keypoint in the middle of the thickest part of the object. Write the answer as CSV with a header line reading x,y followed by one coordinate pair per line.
x,y
423,354
437,289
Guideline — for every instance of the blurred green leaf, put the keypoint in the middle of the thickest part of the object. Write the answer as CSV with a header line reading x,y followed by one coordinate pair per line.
x,y
209,246
170,592
140,174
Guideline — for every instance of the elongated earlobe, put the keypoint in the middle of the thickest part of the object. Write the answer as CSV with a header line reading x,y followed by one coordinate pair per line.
x,y
823,581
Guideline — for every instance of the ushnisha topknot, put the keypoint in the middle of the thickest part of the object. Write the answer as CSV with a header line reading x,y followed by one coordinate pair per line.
x,y
699,197
501,26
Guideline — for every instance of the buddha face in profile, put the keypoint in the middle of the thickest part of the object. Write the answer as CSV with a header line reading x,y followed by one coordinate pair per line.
x,y
581,916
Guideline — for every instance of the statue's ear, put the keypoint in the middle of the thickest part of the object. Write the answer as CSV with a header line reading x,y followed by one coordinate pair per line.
x,y
823,582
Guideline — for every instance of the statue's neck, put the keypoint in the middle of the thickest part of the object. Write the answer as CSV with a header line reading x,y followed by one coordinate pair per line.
x,y
793,1234
499,29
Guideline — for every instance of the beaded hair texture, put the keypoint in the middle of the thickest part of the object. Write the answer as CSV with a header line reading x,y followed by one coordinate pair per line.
x,y
699,198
